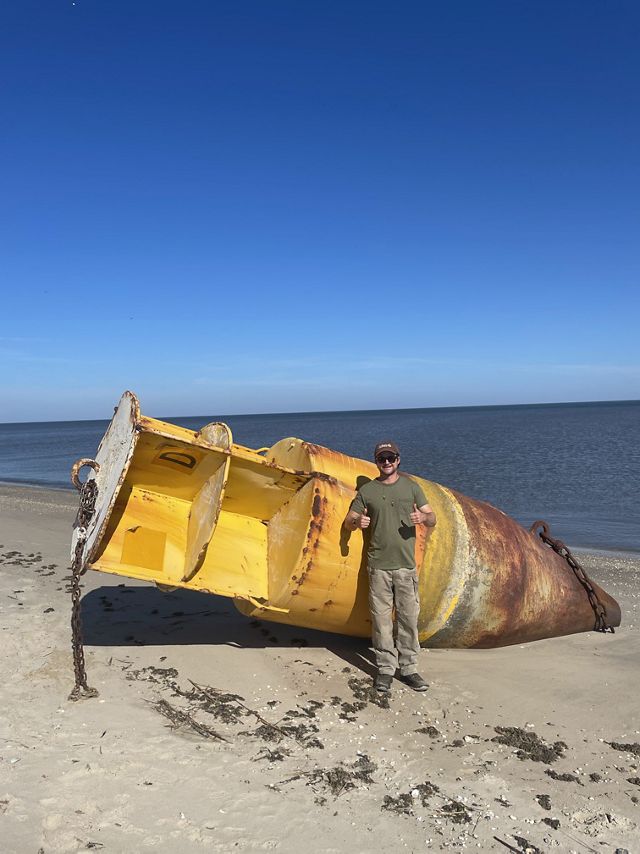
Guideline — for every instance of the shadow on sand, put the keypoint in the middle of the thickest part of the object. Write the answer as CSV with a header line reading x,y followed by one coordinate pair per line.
x,y
145,616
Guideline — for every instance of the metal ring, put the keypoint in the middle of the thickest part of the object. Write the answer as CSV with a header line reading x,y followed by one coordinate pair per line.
x,y
539,524
75,470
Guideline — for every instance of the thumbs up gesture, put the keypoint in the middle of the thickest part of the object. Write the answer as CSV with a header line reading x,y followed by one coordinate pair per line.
x,y
416,515
365,520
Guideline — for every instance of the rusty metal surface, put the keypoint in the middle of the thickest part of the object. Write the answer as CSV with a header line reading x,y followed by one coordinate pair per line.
x,y
517,590
602,623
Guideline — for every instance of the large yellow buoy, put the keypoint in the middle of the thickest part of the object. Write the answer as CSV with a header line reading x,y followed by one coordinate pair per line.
x,y
264,527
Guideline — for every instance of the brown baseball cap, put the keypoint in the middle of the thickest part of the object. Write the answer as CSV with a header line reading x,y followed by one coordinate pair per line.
x,y
388,447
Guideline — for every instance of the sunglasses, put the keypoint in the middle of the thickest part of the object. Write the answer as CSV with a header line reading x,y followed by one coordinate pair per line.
x,y
387,458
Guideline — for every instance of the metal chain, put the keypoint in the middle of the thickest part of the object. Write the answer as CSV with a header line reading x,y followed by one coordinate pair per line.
x,y
88,495
599,610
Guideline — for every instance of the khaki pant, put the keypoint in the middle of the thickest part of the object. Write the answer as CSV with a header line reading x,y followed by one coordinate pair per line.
x,y
399,587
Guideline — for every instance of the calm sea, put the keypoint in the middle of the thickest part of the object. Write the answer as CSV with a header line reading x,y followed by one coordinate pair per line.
x,y
575,465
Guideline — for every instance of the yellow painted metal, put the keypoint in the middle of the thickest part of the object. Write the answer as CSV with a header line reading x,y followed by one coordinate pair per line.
x,y
264,527
195,510
185,516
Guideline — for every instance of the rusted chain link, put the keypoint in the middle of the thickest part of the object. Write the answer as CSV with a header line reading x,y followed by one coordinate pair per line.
x,y
88,495
599,610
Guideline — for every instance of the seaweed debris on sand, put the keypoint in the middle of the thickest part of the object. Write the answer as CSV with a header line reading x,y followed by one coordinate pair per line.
x,y
529,745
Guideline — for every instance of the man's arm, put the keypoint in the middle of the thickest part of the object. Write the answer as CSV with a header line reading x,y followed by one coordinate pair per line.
x,y
423,516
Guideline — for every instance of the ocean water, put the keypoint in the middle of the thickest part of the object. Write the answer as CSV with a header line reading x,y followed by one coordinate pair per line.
x,y
575,465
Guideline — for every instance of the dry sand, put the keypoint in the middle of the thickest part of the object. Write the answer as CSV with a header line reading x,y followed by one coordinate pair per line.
x,y
280,747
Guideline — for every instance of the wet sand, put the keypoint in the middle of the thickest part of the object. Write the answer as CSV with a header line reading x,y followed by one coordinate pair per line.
x,y
214,732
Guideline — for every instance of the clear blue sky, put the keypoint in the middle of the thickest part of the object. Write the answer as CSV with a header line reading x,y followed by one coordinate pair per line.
x,y
282,206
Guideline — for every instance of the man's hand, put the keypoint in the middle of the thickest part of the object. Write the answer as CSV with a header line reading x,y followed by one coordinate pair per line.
x,y
415,515
365,520
355,520
423,516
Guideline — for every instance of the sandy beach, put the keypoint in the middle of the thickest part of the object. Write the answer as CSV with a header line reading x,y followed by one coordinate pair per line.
x,y
215,732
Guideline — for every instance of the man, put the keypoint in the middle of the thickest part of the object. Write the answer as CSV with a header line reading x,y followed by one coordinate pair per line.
x,y
387,510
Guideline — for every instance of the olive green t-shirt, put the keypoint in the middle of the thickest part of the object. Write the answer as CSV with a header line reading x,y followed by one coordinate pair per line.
x,y
391,537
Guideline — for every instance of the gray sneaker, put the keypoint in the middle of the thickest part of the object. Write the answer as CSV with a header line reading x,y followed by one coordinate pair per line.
x,y
415,681
383,682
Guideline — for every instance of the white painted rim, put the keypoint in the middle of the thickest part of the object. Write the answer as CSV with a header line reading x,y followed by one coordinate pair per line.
x,y
114,458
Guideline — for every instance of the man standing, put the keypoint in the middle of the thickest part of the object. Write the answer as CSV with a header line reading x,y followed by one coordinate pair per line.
x,y
387,510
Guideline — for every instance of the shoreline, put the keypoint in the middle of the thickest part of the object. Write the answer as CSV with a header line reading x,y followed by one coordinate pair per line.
x,y
213,732
29,485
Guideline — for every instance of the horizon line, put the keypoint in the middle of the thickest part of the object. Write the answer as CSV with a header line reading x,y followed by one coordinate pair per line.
x,y
347,411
